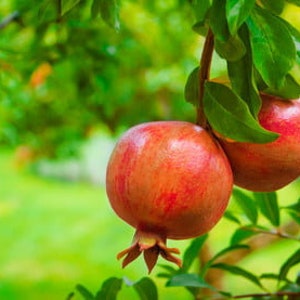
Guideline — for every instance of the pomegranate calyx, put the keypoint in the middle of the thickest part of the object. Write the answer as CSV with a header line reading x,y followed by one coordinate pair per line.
x,y
152,245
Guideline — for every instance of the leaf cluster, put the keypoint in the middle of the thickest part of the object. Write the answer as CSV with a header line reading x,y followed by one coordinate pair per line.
x,y
145,289
261,51
256,216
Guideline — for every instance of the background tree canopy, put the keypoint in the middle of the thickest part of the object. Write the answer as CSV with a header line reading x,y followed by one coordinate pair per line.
x,y
64,71
70,65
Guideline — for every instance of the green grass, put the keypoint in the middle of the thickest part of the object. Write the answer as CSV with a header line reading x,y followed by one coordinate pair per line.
x,y
55,235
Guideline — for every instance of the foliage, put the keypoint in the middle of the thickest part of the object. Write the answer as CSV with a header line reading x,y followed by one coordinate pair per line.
x,y
124,75
257,217
65,71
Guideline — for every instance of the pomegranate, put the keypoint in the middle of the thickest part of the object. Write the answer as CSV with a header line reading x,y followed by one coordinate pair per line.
x,y
167,179
271,166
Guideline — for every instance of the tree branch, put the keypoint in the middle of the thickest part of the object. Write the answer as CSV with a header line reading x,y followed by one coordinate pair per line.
x,y
276,232
262,295
204,72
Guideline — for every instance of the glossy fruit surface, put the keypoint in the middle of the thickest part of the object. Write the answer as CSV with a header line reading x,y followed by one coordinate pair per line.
x,y
167,179
271,166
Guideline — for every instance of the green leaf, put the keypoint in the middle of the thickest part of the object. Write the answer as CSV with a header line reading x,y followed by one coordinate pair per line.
x,y
295,215
290,262
247,204
192,252
242,77
235,270
236,13
67,5
274,6
188,280
84,292
109,11
268,205
295,34
232,49
289,90
296,2
220,254
200,8
270,276
218,22
269,33
240,235
110,289
169,269
191,90
146,289
231,217
230,116
294,211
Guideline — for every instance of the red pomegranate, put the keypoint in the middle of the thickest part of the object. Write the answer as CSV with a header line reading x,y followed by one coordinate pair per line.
x,y
271,166
167,179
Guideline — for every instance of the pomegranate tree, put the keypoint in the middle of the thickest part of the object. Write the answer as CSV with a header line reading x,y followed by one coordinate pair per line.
x,y
167,179
271,166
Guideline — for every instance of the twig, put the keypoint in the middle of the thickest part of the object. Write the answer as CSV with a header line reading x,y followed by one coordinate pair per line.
x,y
204,72
262,295
276,232
10,18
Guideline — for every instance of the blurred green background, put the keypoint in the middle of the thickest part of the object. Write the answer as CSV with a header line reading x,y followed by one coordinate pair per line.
x,y
69,85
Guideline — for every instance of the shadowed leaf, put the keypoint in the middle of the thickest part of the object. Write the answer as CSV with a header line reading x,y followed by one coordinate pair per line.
x,y
110,289
146,289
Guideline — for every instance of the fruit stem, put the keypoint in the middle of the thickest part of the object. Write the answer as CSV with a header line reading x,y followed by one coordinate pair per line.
x,y
204,72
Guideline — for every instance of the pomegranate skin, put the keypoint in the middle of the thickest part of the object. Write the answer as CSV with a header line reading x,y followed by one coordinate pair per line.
x,y
271,166
169,178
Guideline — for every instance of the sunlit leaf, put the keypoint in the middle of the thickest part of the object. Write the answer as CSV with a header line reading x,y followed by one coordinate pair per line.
x,y
269,33
226,112
236,13
268,204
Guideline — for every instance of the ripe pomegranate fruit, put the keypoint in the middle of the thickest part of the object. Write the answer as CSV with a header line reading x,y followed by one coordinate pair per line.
x,y
271,166
167,179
